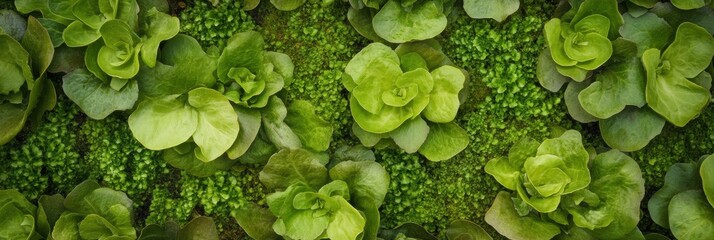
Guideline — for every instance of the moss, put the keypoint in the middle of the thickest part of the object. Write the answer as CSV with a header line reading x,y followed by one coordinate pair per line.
x,y
320,43
213,25
120,162
45,160
215,196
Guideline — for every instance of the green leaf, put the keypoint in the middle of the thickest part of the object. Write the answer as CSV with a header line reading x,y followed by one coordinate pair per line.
x,y
548,75
691,52
706,171
250,122
632,129
276,129
256,221
691,216
690,4
620,85
314,133
160,27
388,119
12,24
669,92
575,108
680,177
503,217
445,140
287,5
218,125
607,8
200,228
444,98
359,64
49,209
78,34
346,223
184,66
163,122
67,226
288,167
570,148
465,230
55,29
375,83
119,57
361,21
617,181
67,59
96,98
38,44
184,157
430,50
395,24
675,16
647,31
411,134
498,10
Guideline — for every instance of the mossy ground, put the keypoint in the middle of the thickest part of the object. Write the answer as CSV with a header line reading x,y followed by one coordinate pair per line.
x,y
505,103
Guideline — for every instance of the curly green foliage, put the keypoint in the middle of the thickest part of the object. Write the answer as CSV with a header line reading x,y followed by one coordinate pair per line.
x,y
45,160
318,70
119,161
504,104
411,192
213,25
215,196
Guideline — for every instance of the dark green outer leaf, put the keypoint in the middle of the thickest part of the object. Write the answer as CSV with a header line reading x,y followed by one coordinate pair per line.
x,y
679,178
465,230
200,228
547,73
288,167
632,129
191,164
95,98
703,17
411,230
691,216
575,109
706,171
250,122
256,221
12,24
647,31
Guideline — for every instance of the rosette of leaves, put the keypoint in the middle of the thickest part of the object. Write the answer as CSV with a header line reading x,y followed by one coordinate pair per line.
x,y
400,21
654,75
558,185
313,202
95,212
25,54
408,97
206,123
20,219
108,84
579,42
200,228
685,204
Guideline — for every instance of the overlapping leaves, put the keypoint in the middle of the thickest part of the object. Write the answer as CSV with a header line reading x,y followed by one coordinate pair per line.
x,y
408,97
558,180
657,72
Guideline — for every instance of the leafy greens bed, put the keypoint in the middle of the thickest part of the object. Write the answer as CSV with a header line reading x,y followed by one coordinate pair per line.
x,y
303,120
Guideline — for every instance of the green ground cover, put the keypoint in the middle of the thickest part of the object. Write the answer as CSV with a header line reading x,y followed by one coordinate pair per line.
x,y
505,103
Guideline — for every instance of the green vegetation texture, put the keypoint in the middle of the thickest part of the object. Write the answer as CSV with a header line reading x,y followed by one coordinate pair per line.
x,y
505,103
